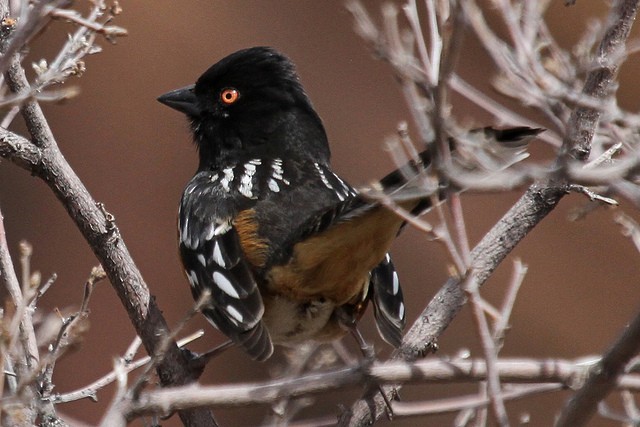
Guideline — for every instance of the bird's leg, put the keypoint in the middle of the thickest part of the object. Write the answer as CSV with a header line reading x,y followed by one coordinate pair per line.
x,y
214,352
365,348
369,357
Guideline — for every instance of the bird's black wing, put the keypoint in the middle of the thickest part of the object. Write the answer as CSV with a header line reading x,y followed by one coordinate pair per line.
x,y
213,259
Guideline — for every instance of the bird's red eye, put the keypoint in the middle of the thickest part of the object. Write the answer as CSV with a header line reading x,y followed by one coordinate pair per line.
x,y
229,95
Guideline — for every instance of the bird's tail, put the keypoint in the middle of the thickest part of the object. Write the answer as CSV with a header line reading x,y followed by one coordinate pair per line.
x,y
491,149
410,187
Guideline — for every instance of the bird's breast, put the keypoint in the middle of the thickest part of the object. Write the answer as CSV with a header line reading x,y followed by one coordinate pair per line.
x,y
335,264
292,322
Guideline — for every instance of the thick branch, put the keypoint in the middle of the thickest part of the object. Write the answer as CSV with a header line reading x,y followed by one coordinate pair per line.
x,y
583,404
19,150
515,371
599,84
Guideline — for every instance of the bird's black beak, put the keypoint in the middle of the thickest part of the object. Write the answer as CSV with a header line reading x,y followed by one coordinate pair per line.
x,y
183,100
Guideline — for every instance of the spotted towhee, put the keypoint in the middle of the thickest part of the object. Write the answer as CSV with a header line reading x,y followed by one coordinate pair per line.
x,y
289,251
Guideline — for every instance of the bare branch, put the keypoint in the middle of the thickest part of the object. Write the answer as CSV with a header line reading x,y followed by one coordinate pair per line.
x,y
66,335
490,352
42,157
537,202
554,373
20,326
167,341
502,324
584,120
411,409
90,391
90,24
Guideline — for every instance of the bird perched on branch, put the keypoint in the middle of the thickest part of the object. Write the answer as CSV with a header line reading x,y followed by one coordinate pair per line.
x,y
288,250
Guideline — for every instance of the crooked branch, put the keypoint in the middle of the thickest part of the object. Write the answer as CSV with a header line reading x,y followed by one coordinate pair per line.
x,y
42,158
561,373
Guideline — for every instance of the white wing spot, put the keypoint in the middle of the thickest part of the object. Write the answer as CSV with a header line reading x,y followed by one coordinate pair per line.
x,y
255,161
277,172
225,286
396,283
217,255
273,185
246,182
211,230
213,177
276,166
228,177
202,260
347,190
341,181
401,311
233,312
324,179
195,241
246,190
222,228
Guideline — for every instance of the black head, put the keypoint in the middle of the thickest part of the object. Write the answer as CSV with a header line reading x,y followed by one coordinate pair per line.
x,y
251,103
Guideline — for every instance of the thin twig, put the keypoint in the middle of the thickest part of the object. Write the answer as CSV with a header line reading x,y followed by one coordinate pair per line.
x,y
490,353
64,338
462,239
411,409
132,349
165,343
90,24
42,290
592,195
114,417
21,323
501,325
90,391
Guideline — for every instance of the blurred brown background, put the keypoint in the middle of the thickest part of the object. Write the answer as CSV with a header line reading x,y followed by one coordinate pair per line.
x,y
135,156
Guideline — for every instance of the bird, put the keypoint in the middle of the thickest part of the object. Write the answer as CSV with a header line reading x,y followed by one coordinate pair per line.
x,y
288,250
